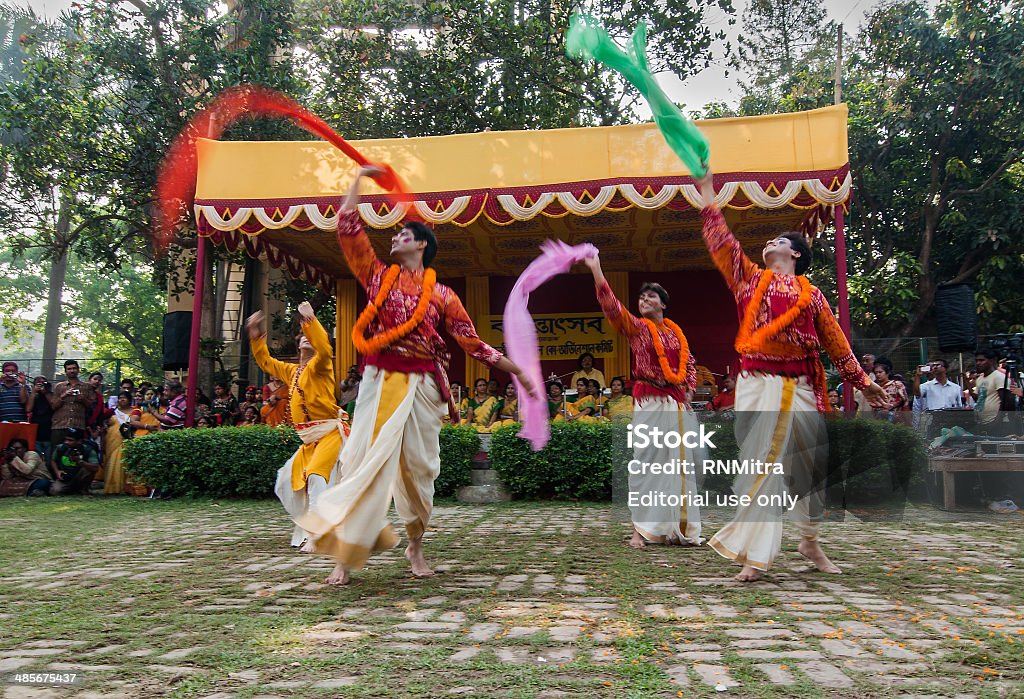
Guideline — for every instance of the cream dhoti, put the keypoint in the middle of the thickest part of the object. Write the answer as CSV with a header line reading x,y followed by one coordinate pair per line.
x,y
298,502
393,452
777,421
677,518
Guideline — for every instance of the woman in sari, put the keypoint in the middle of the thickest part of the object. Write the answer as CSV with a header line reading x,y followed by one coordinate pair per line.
x,y
556,402
619,406
144,417
597,393
582,409
113,441
506,412
476,410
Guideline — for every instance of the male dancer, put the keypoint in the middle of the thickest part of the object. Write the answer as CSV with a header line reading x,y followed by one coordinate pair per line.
x,y
665,375
316,416
394,448
780,390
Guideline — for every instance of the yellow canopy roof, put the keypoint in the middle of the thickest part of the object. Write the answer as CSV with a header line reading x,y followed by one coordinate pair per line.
x,y
493,196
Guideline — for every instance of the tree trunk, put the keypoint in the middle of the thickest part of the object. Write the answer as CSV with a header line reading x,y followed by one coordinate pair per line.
x,y
54,303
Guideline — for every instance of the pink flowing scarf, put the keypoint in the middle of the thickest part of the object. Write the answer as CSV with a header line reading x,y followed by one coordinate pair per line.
x,y
521,334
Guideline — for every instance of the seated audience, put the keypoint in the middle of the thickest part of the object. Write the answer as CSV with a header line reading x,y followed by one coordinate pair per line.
x,y
726,398
556,402
22,472
584,407
74,464
587,371
476,409
506,412
619,405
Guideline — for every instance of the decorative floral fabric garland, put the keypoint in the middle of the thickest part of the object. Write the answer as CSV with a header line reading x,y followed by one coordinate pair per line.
x,y
672,377
370,346
750,342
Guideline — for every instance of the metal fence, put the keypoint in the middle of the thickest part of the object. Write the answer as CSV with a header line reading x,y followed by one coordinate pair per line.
x,y
908,353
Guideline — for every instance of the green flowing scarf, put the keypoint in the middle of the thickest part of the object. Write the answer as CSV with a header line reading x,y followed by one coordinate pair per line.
x,y
587,39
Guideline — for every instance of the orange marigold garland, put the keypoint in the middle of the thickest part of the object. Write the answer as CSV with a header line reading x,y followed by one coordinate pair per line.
x,y
750,342
659,349
373,345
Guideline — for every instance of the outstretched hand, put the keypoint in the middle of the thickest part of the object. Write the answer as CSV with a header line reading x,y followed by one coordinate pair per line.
x,y
306,312
877,396
527,384
254,326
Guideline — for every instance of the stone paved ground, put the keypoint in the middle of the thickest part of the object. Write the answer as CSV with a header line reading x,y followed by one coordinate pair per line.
x,y
201,599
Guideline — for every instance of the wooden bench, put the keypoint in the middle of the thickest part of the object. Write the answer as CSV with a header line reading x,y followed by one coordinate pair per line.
x,y
948,465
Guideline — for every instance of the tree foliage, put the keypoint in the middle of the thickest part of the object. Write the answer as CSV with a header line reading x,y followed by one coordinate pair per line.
x,y
936,134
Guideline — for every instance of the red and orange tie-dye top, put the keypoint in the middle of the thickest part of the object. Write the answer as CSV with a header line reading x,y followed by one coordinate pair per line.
x,y
423,343
646,368
795,351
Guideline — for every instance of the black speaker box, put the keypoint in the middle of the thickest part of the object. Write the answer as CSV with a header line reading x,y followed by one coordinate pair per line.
x,y
177,332
956,318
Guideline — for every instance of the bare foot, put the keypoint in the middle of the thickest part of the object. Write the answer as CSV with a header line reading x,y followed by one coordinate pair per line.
x,y
307,546
811,550
637,542
414,553
748,574
339,576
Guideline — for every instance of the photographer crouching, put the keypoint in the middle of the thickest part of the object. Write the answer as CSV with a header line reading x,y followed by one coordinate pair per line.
x,y
74,464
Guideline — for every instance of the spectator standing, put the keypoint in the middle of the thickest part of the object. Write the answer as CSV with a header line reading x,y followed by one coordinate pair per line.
x,y
41,415
113,441
224,406
990,391
13,394
126,385
175,415
940,392
894,389
72,403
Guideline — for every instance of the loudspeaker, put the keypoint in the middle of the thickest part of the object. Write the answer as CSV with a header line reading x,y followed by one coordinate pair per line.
x,y
956,318
177,332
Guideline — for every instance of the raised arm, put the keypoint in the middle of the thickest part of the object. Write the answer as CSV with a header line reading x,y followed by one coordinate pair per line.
x,y
621,319
282,371
355,244
317,336
726,252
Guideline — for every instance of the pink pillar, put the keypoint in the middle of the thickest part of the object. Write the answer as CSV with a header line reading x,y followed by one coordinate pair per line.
x,y
193,343
844,298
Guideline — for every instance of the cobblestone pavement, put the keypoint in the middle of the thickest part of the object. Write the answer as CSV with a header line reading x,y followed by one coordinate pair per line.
x,y
206,600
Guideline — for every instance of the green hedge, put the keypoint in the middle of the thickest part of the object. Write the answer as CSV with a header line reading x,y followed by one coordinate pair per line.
x,y
577,464
220,462
458,447
243,461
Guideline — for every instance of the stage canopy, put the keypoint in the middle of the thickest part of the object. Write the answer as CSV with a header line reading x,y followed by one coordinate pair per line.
x,y
492,197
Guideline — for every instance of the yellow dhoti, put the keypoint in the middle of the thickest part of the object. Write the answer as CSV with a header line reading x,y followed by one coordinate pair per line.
x,y
310,470
776,421
393,452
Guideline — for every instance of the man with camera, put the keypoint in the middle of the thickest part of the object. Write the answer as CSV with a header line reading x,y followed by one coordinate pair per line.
x,y
13,394
74,464
72,402
939,393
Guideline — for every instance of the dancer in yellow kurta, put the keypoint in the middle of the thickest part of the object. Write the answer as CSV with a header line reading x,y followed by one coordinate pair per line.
x,y
316,416
394,451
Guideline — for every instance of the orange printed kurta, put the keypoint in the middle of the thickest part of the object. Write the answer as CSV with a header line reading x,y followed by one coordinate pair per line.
x,y
795,350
